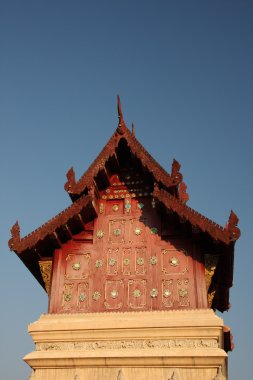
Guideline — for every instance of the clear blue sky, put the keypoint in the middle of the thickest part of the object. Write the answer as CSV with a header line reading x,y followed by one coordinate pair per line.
x,y
184,70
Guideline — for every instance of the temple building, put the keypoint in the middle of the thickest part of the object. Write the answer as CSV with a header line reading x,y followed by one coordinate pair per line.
x,y
133,275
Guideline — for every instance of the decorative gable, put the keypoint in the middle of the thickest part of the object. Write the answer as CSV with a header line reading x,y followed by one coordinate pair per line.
x,y
129,241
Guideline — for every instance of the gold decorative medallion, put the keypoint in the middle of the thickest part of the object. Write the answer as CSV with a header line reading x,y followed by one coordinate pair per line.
x,y
96,296
82,297
137,293
183,292
126,261
167,293
117,232
137,231
98,263
112,261
153,260
115,208
140,261
76,266
114,293
174,261
100,234
154,293
67,297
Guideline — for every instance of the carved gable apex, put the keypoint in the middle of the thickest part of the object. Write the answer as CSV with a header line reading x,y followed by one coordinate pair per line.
x,y
122,148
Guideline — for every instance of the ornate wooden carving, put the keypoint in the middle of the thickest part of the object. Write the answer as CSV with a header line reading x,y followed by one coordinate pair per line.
x,y
19,245
46,270
226,235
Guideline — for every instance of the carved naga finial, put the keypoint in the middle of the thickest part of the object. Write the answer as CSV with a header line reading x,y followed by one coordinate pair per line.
x,y
231,226
175,174
121,124
15,235
71,179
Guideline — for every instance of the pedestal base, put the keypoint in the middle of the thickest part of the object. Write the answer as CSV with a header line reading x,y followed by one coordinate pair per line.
x,y
166,345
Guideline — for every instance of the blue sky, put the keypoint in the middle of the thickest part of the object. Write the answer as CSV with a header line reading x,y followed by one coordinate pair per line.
x,y
184,73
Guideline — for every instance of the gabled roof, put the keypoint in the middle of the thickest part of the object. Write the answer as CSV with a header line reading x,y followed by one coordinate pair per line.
x,y
226,234
169,190
20,245
76,188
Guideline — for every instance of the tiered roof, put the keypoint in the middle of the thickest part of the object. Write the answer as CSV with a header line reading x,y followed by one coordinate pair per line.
x,y
169,191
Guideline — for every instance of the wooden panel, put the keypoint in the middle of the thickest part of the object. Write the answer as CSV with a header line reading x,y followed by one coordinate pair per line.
x,y
137,293
114,294
129,265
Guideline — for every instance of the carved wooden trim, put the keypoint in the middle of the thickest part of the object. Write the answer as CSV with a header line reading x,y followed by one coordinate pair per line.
x,y
210,267
76,188
18,244
226,235
46,269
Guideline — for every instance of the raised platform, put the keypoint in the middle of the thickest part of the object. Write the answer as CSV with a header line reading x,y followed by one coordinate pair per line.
x,y
166,345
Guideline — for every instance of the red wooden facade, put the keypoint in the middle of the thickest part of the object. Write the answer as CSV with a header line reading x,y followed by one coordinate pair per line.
x,y
129,241
135,258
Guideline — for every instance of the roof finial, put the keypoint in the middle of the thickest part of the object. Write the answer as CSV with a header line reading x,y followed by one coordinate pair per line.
x,y
133,129
15,235
121,124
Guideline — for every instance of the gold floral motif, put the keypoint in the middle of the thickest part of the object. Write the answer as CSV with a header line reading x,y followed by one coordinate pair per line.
x,y
137,231
154,293
98,263
100,234
136,293
117,232
174,261
115,208
153,260
67,297
76,266
183,292
140,261
82,297
167,293
96,296
126,261
114,293
112,261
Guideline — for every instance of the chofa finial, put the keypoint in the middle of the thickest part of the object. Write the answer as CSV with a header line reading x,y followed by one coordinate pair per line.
x,y
15,235
231,226
121,123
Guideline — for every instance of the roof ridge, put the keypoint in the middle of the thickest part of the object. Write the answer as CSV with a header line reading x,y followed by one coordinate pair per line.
x,y
161,175
226,234
16,242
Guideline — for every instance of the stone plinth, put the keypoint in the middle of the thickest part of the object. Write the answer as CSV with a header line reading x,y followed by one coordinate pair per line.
x,y
178,345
